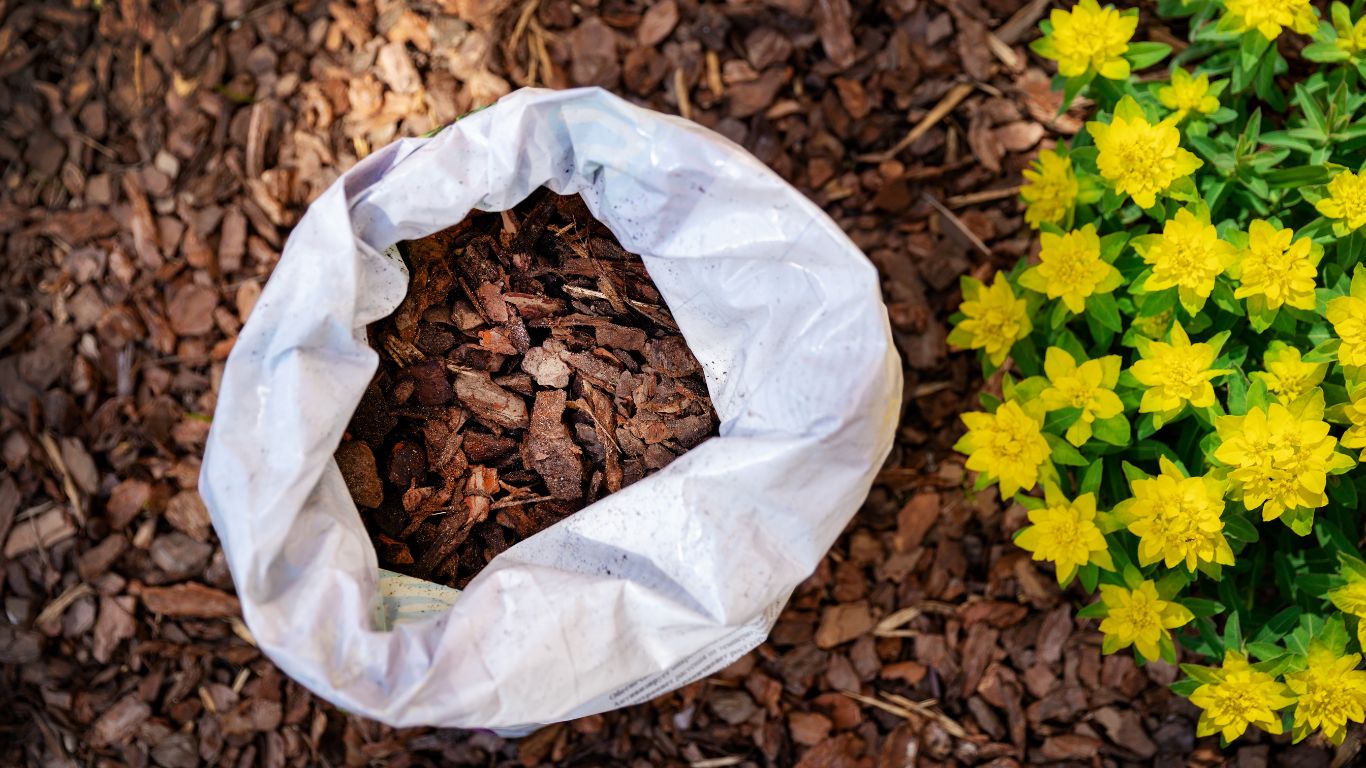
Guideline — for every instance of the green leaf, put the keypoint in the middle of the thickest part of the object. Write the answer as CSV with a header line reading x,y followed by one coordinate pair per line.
x,y
1343,490
1314,584
1250,50
1132,473
1301,521
1237,393
1105,310
1091,478
1299,176
1239,528
1064,453
1264,650
1185,688
1285,140
1093,611
1147,425
1201,607
1309,106
1114,430
1058,421
1279,625
1199,674
1145,54
1072,88
1233,632
1325,53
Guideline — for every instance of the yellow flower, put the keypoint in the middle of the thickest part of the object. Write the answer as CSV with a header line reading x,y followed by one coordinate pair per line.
x,y
1138,158
994,319
1355,436
1065,533
1139,618
1287,376
1175,374
1270,16
1331,692
1089,38
1351,37
1007,445
1345,203
1276,269
1089,386
1280,458
1348,316
1177,518
1188,94
1350,596
1241,695
1050,190
1156,325
1188,256
1070,268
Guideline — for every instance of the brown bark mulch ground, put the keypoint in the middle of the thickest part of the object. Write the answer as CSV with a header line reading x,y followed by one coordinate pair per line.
x,y
153,159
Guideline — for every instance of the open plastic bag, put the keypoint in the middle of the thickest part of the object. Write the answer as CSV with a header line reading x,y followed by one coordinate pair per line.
x,y
650,588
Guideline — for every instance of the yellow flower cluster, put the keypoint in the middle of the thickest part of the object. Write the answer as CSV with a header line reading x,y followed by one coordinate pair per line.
x,y
1176,358
1347,314
1327,692
1176,373
1177,519
993,319
1346,202
1065,533
1276,270
1089,387
1089,39
1330,692
1269,17
1187,256
1141,159
1240,695
1070,268
1139,617
1007,445
1280,457
1188,94
1050,190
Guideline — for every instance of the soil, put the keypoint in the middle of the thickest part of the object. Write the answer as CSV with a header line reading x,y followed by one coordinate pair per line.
x,y
532,369
154,158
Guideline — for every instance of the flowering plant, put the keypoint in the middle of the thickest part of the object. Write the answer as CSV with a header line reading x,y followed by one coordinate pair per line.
x,y
1182,367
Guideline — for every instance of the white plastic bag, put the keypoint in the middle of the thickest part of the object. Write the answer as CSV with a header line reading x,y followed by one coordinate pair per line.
x,y
650,588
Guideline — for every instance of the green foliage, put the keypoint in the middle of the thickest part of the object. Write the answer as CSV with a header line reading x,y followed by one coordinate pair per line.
x,y
1190,345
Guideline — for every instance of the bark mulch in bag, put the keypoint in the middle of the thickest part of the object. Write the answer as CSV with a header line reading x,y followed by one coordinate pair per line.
x,y
532,369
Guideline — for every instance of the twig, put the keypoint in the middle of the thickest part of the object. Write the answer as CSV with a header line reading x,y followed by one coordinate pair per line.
x,y
926,708
985,196
53,610
911,710
946,105
1004,52
681,91
958,224
714,82
891,624
717,762
1021,21
505,503
54,454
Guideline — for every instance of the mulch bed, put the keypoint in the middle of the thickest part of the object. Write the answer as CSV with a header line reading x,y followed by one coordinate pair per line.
x,y
154,159
513,324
